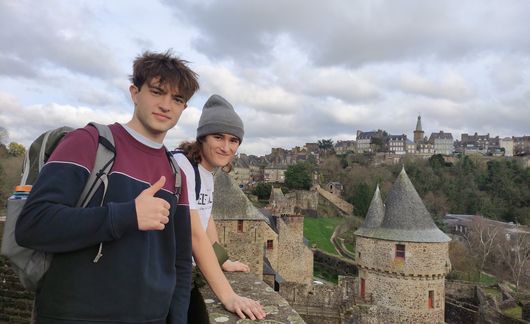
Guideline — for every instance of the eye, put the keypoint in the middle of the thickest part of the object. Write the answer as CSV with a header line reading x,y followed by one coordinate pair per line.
x,y
156,91
179,100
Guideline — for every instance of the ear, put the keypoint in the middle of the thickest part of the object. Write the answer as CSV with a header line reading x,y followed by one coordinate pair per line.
x,y
133,90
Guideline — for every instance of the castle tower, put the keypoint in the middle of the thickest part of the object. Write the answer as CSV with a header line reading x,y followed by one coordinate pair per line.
x,y
403,257
418,133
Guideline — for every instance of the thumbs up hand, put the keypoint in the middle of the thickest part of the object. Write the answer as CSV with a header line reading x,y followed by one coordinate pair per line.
x,y
152,213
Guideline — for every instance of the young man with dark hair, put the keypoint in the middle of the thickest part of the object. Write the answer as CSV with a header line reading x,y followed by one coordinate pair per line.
x,y
127,259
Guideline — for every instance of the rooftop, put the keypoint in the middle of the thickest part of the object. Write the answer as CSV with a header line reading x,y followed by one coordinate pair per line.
x,y
231,203
405,216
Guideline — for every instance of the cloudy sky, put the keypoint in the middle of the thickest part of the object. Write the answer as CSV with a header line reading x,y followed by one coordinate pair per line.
x,y
296,71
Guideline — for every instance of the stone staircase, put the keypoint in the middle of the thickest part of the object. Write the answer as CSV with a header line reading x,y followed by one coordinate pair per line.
x,y
342,205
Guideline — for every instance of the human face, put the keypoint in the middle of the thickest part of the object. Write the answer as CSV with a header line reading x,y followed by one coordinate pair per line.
x,y
157,109
217,150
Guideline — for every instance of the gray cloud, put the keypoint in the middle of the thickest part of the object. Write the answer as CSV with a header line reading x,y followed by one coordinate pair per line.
x,y
296,71
353,33
53,35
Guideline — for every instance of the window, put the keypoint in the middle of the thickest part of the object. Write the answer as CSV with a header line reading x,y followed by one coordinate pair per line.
x,y
269,245
431,299
359,255
400,251
240,226
363,288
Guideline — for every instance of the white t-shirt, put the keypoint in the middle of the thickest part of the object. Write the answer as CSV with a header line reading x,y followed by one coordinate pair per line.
x,y
204,204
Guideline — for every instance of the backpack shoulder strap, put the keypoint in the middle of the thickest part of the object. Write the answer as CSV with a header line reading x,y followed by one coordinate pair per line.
x,y
197,180
103,163
196,171
176,171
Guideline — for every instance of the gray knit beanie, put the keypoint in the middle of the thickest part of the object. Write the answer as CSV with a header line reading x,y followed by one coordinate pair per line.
x,y
218,116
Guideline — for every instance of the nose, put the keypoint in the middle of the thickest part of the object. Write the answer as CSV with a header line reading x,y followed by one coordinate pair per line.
x,y
165,103
226,145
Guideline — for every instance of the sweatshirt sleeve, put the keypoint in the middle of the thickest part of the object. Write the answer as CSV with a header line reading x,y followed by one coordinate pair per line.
x,y
50,222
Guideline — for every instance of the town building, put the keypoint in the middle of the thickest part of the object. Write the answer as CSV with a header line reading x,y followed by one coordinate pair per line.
x,y
373,141
521,145
397,144
442,143
344,147
507,144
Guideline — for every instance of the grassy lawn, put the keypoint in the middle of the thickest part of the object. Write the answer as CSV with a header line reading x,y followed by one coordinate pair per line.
x,y
350,247
319,230
515,312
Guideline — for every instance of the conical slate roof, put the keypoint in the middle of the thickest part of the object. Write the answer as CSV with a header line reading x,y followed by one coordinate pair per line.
x,y
374,216
277,195
230,202
406,218
418,124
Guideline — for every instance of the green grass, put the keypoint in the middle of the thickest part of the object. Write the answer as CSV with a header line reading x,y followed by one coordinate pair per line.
x,y
319,230
514,312
487,279
473,277
495,292
350,247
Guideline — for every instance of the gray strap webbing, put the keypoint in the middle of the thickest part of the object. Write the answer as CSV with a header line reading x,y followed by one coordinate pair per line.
x,y
43,150
101,167
176,169
99,175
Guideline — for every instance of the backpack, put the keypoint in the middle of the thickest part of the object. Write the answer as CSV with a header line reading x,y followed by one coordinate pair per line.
x,y
195,166
31,265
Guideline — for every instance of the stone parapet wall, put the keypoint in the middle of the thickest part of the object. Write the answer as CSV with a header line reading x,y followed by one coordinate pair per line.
x,y
460,290
248,285
421,259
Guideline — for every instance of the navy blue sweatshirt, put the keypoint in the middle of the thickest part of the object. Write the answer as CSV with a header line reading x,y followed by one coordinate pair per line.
x,y
140,272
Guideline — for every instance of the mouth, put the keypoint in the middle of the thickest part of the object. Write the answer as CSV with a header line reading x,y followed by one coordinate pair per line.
x,y
161,117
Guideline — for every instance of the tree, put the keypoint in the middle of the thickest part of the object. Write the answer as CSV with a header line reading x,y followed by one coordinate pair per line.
x,y
361,199
262,190
16,149
514,250
330,169
482,240
299,176
325,146
437,162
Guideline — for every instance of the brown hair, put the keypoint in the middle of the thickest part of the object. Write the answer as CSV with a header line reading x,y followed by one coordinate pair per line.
x,y
192,150
169,68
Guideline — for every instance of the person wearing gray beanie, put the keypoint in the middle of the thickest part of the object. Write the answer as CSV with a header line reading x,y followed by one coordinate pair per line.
x,y
219,135
218,116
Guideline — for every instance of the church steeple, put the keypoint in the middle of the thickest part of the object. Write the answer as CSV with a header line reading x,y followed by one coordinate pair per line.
x,y
418,133
418,124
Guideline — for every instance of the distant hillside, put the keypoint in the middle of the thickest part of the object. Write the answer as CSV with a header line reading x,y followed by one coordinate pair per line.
x,y
496,188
